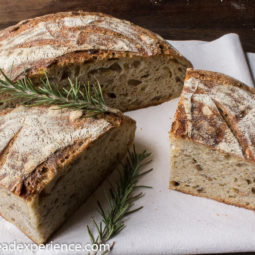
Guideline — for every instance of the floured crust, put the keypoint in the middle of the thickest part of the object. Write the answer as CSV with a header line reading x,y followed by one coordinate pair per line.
x,y
42,142
217,111
56,39
216,77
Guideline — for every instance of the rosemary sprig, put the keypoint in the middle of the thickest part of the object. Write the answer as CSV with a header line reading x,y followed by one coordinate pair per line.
x,y
80,97
121,199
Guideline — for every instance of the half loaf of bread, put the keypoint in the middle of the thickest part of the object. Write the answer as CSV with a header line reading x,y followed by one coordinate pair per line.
x,y
213,139
135,67
52,160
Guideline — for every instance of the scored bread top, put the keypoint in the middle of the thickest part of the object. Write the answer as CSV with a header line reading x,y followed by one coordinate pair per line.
x,y
32,136
218,111
35,44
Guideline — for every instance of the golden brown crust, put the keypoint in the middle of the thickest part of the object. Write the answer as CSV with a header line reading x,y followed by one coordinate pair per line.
x,y
35,182
217,111
216,77
41,142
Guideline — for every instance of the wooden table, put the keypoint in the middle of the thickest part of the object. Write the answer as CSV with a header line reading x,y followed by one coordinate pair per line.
x,y
173,19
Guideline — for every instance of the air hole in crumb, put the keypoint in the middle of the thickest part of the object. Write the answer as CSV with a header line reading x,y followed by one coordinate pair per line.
x,y
253,190
136,63
167,70
177,79
198,167
156,98
145,76
115,67
109,81
248,181
76,70
174,183
235,180
111,95
134,82
65,75
13,219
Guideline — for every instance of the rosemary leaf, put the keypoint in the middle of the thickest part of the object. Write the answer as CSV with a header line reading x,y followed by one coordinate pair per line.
x,y
121,198
86,97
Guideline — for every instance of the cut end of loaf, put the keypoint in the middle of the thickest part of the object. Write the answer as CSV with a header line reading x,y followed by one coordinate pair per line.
x,y
135,66
200,171
73,174
212,139
127,82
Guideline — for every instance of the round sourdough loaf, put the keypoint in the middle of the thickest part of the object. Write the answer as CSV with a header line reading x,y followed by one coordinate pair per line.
x,y
135,67
213,139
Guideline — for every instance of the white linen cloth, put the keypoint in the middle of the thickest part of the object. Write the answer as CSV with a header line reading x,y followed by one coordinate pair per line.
x,y
251,62
170,222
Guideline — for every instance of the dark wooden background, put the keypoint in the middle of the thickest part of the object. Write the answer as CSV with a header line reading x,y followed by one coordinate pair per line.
x,y
173,19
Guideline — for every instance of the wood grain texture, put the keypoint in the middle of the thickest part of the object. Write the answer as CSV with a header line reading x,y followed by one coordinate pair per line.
x,y
173,19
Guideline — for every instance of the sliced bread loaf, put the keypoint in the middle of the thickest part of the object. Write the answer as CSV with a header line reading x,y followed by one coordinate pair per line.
x,y
52,160
136,68
213,139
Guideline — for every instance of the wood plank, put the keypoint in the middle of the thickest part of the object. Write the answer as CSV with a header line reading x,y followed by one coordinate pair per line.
x,y
173,19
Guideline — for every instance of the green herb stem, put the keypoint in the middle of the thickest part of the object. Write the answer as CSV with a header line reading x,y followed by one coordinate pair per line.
x,y
78,97
121,199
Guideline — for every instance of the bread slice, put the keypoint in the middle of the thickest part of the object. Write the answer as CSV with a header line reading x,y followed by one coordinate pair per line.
x,y
136,68
52,160
213,139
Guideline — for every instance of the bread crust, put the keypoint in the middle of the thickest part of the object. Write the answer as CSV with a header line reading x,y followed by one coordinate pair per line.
x,y
108,172
29,182
215,110
226,201
68,36
34,183
217,77
33,186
